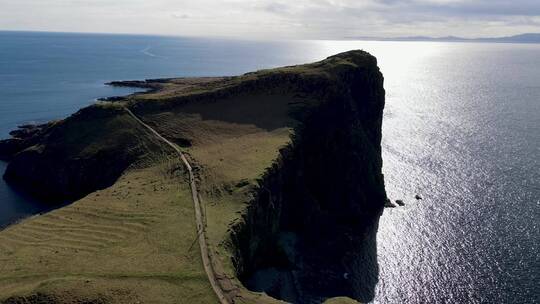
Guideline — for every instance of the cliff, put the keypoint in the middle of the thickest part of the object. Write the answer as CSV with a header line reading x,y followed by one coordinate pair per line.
x,y
288,160
317,207
62,161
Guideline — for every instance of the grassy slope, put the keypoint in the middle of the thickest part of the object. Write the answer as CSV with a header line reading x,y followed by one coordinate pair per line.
x,y
131,242
126,244
231,154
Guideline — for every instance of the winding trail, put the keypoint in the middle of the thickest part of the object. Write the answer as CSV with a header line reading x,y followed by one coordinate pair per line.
x,y
201,229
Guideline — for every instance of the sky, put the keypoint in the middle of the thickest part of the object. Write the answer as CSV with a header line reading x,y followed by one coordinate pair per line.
x,y
291,19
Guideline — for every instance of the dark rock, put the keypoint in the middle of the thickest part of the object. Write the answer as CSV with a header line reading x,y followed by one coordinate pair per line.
x,y
27,131
182,142
112,98
65,160
400,202
151,85
327,187
25,136
242,183
388,204
10,147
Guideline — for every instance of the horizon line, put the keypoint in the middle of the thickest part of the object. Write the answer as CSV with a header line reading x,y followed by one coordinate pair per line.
x,y
231,37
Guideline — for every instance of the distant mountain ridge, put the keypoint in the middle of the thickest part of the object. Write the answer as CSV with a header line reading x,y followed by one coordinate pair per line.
x,y
523,38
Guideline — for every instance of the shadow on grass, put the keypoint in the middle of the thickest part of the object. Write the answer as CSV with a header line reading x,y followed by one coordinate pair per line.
x,y
16,204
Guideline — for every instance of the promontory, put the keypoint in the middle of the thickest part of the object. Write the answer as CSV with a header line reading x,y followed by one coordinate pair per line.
x,y
247,189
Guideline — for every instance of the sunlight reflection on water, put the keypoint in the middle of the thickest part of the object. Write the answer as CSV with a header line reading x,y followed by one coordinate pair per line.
x,y
461,128
458,131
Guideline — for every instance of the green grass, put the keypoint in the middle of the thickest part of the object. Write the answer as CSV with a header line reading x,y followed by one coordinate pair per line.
x,y
231,149
128,242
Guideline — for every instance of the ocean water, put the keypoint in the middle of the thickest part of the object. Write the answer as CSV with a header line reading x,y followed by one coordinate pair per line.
x,y
461,128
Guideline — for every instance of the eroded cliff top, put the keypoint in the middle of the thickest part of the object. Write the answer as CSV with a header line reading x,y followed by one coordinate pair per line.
x,y
330,69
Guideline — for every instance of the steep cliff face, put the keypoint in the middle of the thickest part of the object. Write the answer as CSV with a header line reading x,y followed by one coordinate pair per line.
x,y
316,210
65,160
308,232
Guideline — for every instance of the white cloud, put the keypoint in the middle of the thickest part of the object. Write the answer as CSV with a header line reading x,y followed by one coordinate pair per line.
x,y
331,19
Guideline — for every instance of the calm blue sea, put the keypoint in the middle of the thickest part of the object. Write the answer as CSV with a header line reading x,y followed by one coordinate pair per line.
x,y
461,128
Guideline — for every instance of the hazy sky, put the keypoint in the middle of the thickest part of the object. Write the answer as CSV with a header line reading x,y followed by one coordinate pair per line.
x,y
316,19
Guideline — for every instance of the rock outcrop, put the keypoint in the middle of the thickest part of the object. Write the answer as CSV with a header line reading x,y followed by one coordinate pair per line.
x,y
63,161
312,222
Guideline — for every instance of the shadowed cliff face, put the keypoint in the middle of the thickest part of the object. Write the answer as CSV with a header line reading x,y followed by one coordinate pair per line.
x,y
65,160
310,232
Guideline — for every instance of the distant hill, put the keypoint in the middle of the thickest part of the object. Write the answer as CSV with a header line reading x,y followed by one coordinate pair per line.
x,y
523,38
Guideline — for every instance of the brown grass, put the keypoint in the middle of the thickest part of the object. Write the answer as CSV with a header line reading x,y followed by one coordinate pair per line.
x,y
129,243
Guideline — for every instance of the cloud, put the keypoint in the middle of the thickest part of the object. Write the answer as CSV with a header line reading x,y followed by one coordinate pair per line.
x,y
180,16
307,19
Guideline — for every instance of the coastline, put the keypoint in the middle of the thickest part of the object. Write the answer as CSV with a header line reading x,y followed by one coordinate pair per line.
x,y
262,127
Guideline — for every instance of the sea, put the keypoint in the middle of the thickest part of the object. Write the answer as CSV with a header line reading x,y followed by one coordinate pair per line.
x,y
461,129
